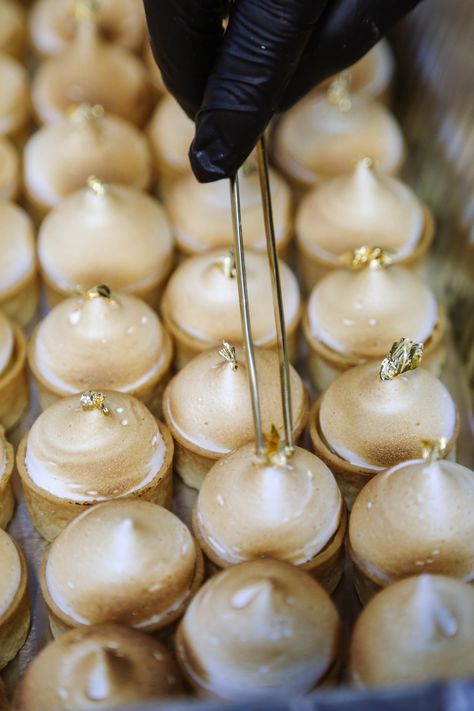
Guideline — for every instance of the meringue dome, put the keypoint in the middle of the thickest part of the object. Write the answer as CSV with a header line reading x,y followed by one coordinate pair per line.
x,y
104,665
59,159
128,561
316,140
202,301
375,424
9,170
207,404
12,28
359,314
170,132
418,629
364,207
10,572
258,629
247,508
14,97
53,26
80,454
7,343
87,72
417,517
17,247
109,233
200,213
111,342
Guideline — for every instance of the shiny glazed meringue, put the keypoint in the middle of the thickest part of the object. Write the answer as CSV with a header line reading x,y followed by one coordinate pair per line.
x,y
53,26
14,97
316,140
202,302
127,561
249,508
415,518
257,629
364,207
58,159
201,401
110,233
375,424
360,313
87,71
12,28
170,133
105,341
104,665
9,170
82,454
418,629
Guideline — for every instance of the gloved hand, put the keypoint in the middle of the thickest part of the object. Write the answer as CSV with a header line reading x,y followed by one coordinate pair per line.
x,y
272,53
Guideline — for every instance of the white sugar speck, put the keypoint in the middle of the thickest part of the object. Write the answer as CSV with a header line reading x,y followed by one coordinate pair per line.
x,y
74,317
124,422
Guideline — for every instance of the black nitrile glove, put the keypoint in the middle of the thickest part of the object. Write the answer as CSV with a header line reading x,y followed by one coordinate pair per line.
x,y
272,53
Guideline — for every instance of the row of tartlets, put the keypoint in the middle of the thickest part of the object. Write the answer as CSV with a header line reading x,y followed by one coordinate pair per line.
x,y
97,465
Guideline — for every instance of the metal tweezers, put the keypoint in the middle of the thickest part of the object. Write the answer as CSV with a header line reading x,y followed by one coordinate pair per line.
x,y
277,302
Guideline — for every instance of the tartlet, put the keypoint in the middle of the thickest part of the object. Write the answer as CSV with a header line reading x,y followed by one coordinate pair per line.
x,y
101,340
200,213
416,630
9,171
97,667
414,518
13,28
15,613
111,233
13,376
128,562
363,207
7,498
278,505
91,448
14,97
323,135
53,26
354,315
208,411
18,280
372,417
259,629
200,305
58,159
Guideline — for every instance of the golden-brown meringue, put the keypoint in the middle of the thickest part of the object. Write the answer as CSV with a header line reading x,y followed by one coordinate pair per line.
x,y
9,170
14,605
13,32
207,407
7,500
154,72
200,213
87,72
14,97
103,665
170,133
59,159
100,340
416,630
258,629
53,26
13,373
414,518
129,562
106,233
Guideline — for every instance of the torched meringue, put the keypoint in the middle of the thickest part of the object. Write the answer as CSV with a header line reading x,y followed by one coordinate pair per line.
x,y
9,170
110,233
154,73
128,561
249,507
103,665
364,207
53,26
414,518
14,97
14,390
13,31
170,133
416,630
7,343
58,159
87,72
10,572
259,629
100,340
14,606
200,213
319,139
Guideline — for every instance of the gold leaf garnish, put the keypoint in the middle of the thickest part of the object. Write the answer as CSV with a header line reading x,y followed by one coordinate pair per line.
x,y
227,264
86,112
365,256
433,449
102,290
96,185
404,355
249,168
228,353
85,10
94,400
339,94
276,452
